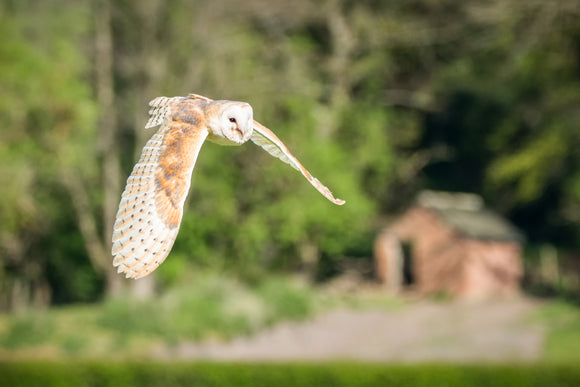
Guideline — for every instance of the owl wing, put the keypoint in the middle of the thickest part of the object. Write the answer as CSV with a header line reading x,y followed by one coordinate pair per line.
x,y
160,110
151,206
266,139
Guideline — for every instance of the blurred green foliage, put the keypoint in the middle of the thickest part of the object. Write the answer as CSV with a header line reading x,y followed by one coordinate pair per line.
x,y
213,306
209,307
334,374
378,99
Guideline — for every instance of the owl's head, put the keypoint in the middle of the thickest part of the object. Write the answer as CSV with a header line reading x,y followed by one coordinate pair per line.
x,y
229,122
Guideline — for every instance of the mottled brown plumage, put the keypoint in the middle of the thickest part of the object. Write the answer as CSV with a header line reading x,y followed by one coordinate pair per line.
x,y
151,206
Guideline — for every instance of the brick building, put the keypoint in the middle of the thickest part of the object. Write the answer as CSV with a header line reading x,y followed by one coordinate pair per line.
x,y
450,243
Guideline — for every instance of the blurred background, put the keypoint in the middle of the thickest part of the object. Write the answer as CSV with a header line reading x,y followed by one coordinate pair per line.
x,y
381,100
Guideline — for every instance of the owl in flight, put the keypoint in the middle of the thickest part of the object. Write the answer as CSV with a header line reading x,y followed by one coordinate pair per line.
x,y
151,206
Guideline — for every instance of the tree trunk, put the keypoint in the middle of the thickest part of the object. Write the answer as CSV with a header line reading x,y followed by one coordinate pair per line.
x,y
340,61
96,249
108,127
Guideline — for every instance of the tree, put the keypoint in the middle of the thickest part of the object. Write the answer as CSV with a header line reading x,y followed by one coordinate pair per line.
x,y
47,115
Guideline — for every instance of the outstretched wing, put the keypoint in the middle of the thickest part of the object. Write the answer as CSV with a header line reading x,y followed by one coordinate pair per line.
x,y
151,206
161,110
266,139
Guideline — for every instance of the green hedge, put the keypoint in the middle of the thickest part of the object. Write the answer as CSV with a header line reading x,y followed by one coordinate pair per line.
x,y
79,374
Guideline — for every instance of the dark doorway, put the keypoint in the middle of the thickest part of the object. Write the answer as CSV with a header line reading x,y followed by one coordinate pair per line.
x,y
408,264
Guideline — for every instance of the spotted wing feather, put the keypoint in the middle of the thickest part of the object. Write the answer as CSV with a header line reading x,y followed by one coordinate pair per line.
x,y
151,206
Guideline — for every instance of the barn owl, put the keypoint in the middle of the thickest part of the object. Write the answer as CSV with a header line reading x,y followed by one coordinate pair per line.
x,y
151,206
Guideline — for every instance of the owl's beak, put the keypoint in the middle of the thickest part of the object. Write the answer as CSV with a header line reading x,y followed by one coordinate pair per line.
x,y
240,132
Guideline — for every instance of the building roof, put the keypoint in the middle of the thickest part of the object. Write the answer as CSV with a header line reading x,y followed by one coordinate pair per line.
x,y
466,213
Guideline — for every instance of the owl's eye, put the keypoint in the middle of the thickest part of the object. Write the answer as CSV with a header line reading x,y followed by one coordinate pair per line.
x,y
232,119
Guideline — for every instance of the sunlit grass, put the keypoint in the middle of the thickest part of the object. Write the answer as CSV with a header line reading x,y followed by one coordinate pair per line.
x,y
562,323
210,307
27,330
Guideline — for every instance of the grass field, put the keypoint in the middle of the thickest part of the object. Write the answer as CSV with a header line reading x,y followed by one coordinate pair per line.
x,y
214,307
326,374
562,323
217,309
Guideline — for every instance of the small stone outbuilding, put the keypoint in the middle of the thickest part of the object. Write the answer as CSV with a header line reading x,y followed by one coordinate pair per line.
x,y
450,243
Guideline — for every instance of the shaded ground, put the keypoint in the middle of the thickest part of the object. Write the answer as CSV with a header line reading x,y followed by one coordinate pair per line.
x,y
422,331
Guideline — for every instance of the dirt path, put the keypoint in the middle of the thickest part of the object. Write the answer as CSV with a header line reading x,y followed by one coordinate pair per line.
x,y
423,331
